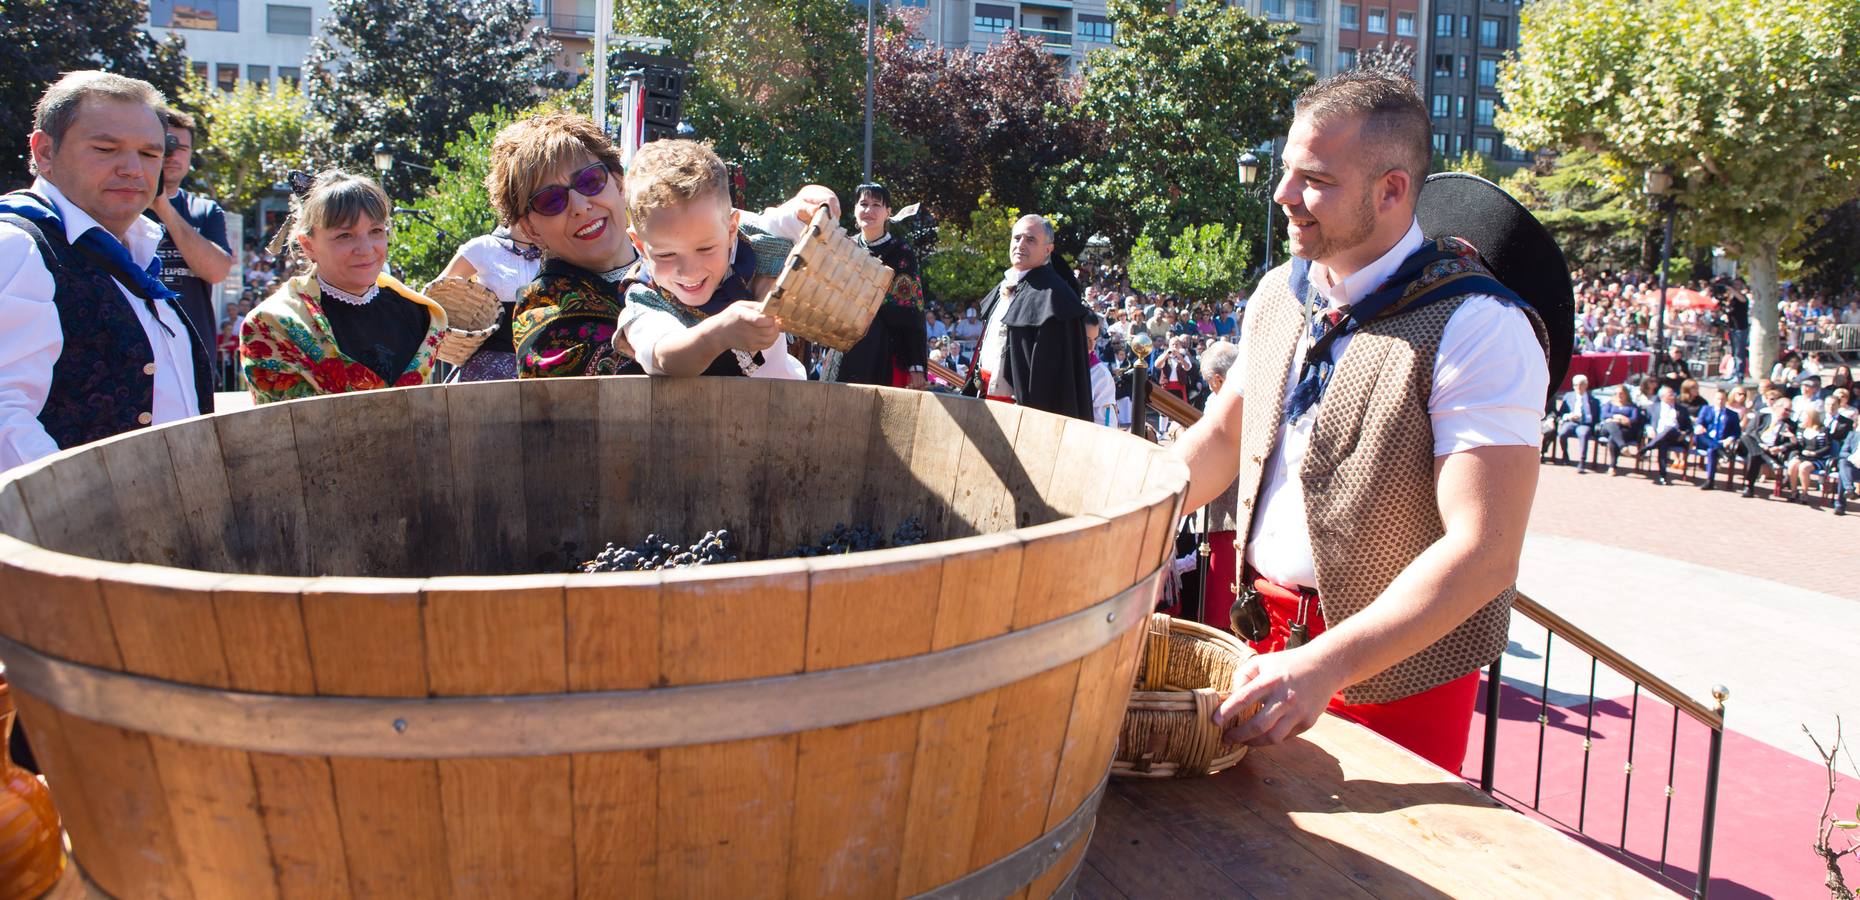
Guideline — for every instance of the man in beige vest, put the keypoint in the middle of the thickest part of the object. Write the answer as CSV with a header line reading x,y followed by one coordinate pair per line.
x,y
1382,417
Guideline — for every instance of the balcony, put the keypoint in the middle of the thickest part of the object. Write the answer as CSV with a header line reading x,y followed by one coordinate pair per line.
x,y
1054,39
568,17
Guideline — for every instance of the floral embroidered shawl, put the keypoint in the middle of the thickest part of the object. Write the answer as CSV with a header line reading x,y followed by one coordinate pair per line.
x,y
287,349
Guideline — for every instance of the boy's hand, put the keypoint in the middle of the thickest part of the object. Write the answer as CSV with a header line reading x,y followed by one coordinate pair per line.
x,y
744,326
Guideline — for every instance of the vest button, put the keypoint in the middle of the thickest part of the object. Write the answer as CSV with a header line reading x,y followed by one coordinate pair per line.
x,y
145,418
148,369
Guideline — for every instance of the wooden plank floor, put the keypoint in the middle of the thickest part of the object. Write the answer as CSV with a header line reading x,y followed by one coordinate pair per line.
x,y
1338,812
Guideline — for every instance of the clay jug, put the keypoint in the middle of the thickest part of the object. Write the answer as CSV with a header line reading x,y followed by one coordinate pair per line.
x,y
32,853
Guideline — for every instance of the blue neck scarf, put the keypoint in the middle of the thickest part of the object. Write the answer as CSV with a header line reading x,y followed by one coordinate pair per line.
x,y
733,288
1440,269
100,248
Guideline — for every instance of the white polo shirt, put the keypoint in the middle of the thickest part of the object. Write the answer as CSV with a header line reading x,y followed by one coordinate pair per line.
x,y
31,338
1490,380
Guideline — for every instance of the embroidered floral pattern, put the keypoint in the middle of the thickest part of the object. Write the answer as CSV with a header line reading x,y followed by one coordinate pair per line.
x,y
564,324
287,349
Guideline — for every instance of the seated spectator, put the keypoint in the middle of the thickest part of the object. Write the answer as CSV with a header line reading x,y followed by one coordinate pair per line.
x,y
1716,431
1671,427
1848,465
1689,397
1622,422
1578,414
1813,453
1769,442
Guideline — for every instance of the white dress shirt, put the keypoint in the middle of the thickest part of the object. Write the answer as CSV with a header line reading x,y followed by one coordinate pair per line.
x,y
1665,416
993,352
31,338
1490,381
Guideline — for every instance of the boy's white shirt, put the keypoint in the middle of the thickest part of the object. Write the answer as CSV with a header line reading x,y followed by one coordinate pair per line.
x,y
642,328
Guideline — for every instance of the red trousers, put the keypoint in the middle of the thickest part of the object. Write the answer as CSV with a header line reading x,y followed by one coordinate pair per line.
x,y
1435,724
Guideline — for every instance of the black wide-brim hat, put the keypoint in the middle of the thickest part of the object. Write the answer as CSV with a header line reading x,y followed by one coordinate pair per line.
x,y
1515,246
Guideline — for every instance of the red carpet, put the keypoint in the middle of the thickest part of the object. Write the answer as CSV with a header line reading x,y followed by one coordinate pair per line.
x,y
1768,800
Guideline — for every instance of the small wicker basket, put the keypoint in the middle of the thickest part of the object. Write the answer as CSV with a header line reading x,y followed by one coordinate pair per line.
x,y
1168,732
830,288
471,316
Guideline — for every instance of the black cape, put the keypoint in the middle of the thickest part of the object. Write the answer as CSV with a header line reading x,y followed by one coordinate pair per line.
x,y
1045,365
899,337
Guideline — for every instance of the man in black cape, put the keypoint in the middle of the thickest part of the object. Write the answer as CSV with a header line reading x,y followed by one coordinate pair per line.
x,y
1033,342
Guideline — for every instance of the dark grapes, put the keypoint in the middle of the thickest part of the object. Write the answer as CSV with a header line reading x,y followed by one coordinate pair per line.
x,y
657,552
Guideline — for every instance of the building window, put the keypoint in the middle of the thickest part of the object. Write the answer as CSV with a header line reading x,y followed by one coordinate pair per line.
x,y
1459,107
1346,59
1306,53
1346,17
1307,10
1440,106
1465,26
1440,143
226,76
1378,21
1273,8
1490,33
1443,25
1459,144
1404,24
1443,65
1487,106
290,75
200,71
1484,143
1464,62
993,19
206,15
1096,28
258,74
287,19
1488,72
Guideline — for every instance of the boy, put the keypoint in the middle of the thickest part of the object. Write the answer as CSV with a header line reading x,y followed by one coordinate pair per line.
x,y
691,306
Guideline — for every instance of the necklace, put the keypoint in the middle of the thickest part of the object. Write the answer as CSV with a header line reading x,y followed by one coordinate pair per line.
x,y
360,299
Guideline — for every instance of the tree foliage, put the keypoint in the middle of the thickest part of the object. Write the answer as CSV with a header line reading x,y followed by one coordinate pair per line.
x,y
997,122
1592,208
456,203
1202,263
1185,90
970,259
776,86
251,137
412,73
47,38
1830,250
1753,103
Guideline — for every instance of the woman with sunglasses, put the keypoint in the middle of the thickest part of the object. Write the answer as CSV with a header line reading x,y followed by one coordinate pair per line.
x,y
555,181
344,325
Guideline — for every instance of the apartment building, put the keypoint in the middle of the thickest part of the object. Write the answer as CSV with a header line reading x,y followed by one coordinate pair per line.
x,y
1467,41
1070,30
230,41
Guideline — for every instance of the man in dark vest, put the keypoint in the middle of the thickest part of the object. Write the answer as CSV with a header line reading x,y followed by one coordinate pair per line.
x,y
91,342
1382,417
1033,338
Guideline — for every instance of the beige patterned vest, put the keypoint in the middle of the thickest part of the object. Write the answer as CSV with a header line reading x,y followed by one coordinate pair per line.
x,y
1369,474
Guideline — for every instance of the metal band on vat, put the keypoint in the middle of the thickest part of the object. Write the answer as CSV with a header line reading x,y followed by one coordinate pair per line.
x,y
1016,870
551,724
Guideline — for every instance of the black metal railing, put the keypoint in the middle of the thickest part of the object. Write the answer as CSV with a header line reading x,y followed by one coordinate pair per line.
x,y
1712,717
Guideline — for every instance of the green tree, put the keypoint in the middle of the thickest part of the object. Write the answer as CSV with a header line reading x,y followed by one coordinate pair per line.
x,y
251,137
1185,90
1593,208
457,204
1469,162
776,85
969,259
47,38
1753,103
1203,263
412,73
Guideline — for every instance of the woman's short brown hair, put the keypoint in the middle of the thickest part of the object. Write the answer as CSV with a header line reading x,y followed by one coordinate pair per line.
x,y
529,152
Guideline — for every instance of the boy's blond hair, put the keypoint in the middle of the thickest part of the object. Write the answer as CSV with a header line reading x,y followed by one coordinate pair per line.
x,y
668,174
529,152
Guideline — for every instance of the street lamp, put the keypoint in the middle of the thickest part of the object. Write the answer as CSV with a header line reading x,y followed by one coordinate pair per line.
x,y
1658,184
384,160
1249,175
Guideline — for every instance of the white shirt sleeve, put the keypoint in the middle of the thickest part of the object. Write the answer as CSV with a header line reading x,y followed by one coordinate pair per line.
x,y
30,341
643,327
1490,379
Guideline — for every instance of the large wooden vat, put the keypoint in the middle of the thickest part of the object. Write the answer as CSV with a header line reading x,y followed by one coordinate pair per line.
x,y
281,652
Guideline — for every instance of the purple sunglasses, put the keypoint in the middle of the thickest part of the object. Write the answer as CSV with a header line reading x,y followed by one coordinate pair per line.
x,y
588,182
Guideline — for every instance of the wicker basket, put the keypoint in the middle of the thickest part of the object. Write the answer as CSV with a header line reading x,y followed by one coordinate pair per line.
x,y
830,288
1186,669
471,316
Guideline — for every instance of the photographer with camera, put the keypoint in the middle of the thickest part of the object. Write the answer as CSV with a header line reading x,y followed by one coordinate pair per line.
x,y
195,257
92,343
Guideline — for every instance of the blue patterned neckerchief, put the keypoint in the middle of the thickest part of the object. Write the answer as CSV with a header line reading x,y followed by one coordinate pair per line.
x,y
1437,270
101,248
